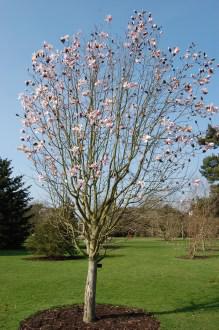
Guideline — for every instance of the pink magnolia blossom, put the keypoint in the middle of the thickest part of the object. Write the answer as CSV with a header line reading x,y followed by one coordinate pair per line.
x,y
203,81
187,129
47,46
74,170
188,88
107,122
34,58
26,101
146,138
80,183
108,102
108,18
175,50
175,83
74,150
95,169
187,55
22,148
195,56
105,159
182,138
204,91
74,100
50,120
158,158
41,130
93,116
70,59
134,35
138,60
210,144
128,85
196,182
91,62
103,34
98,82
150,19
77,129
86,93
141,184
199,106
127,45
36,55
156,53
169,141
152,42
212,108
41,177
39,145
81,82
64,38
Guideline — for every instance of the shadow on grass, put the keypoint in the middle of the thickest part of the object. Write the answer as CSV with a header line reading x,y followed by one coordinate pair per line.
x,y
193,307
64,258
145,247
13,253
213,256
199,257
216,249
110,247
113,256
53,258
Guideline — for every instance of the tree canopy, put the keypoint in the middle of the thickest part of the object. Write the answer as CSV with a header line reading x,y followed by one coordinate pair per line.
x,y
110,124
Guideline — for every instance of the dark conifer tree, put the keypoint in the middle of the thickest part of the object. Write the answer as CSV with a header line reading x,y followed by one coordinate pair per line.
x,y
14,208
210,166
212,136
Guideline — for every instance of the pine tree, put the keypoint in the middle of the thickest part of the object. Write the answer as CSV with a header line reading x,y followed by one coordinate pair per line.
x,y
212,136
14,208
210,166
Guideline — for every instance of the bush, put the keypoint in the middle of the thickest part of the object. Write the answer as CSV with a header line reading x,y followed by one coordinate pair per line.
x,y
50,236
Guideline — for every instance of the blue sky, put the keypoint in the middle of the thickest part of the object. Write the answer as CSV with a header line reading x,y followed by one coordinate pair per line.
x,y
25,24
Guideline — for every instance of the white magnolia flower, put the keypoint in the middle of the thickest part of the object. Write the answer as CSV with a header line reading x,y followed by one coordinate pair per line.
x,y
146,138
141,183
74,150
196,182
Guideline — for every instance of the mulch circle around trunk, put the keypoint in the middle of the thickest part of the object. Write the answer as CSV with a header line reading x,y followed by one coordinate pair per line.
x,y
108,318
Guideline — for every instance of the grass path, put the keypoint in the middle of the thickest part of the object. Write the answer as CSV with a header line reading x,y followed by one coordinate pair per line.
x,y
145,273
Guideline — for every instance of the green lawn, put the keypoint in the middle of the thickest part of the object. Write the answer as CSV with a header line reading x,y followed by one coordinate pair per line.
x,y
184,294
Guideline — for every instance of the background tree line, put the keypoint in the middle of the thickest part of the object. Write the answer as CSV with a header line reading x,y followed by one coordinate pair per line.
x,y
46,230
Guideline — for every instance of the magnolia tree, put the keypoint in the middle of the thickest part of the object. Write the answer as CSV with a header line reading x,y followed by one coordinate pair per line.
x,y
112,123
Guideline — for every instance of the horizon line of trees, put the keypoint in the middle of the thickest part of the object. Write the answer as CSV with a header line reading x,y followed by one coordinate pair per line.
x,y
47,230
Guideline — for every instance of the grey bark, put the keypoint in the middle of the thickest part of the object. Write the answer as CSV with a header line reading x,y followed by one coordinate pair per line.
x,y
90,292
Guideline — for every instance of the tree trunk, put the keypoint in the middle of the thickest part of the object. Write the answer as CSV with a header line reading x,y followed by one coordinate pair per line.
x,y
90,292
203,245
182,231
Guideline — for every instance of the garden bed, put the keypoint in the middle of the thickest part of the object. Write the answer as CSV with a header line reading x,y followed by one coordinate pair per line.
x,y
108,317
